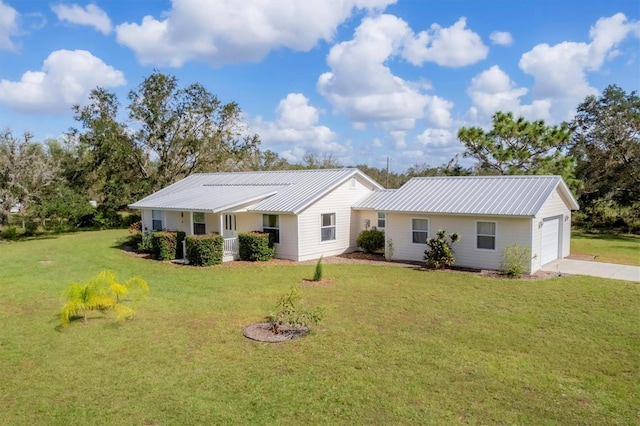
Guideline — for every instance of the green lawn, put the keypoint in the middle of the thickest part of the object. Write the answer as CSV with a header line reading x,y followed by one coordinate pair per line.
x,y
397,346
623,249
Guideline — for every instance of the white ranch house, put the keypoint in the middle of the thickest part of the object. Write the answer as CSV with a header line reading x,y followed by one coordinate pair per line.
x,y
314,213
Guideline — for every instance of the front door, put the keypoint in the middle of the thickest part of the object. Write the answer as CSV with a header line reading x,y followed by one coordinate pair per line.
x,y
230,226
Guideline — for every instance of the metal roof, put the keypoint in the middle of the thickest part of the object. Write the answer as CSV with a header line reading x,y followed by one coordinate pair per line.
x,y
470,195
288,191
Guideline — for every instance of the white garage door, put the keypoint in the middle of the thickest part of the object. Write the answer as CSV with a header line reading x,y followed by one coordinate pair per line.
x,y
550,233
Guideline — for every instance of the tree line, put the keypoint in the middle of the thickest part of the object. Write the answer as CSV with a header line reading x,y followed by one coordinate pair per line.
x,y
170,132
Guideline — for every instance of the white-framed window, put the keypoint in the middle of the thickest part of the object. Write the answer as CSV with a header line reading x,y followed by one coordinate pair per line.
x,y
486,235
156,220
271,225
419,230
328,227
199,225
382,220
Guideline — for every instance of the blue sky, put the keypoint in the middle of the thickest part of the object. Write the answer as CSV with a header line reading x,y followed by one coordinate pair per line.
x,y
361,79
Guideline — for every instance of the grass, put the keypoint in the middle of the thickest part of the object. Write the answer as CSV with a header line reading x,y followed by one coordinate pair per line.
x,y
397,346
623,249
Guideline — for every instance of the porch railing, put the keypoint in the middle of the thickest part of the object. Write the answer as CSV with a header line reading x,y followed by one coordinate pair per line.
x,y
230,247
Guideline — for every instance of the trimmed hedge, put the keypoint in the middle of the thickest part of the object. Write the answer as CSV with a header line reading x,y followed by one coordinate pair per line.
x,y
256,246
163,245
166,245
205,250
371,240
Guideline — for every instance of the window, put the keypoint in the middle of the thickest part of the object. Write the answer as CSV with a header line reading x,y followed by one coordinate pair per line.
x,y
156,220
271,225
328,227
199,226
352,183
486,235
381,220
419,230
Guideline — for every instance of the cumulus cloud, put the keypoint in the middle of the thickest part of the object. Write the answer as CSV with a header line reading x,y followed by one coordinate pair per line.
x,y
8,26
66,79
560,71
90,15
454,46
493,90
295,130
231,31
501,38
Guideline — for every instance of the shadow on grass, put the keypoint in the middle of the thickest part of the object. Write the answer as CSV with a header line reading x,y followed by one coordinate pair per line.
x,y
607,237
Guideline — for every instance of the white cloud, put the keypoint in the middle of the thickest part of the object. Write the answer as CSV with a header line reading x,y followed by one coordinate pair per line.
x,y
492,90
361,86
501,38
231,31
560,71
66,79
8,26
436,137
454,46
295,129
90,15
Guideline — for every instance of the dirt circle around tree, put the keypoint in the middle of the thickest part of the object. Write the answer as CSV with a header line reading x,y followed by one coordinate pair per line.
x,y
262,332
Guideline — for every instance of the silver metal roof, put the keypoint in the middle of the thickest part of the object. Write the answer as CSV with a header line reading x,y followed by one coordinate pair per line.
x,y
469,195
288,191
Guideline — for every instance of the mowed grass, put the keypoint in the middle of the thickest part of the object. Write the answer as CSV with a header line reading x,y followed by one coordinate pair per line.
x,y
397,346
623,249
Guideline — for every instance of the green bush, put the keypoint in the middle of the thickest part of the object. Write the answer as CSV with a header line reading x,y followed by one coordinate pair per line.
x,y
205,250
163,244
30,229
144,245
9,233
289,311
439,254
371,240
255,246
515,260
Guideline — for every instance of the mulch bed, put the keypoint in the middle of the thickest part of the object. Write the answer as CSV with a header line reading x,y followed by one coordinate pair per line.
x,y
262,332
320,283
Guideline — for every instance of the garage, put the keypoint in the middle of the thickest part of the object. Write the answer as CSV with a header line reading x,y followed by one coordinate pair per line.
x,y
550,240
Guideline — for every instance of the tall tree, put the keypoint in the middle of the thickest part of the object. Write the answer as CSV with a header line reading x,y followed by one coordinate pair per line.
x,y
106,164
185,130
517,146
606,145
24,173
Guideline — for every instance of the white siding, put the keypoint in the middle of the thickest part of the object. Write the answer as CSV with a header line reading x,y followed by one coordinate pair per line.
x,y
288,246
555,205
338,201
508,231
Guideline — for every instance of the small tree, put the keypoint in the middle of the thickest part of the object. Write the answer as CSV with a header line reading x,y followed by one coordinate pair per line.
x,y
289,311
439,254
515,260
102,293
317,275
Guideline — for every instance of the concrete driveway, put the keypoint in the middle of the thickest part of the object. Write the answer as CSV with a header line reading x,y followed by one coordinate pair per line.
x,y
594,269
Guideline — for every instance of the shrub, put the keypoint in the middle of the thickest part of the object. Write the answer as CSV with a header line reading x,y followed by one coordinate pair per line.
x,y
515,260
388,254
371,240
439,254
317,275
102,293
163,244
9,233
205,250
289,311
144,246
30,229
255,246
